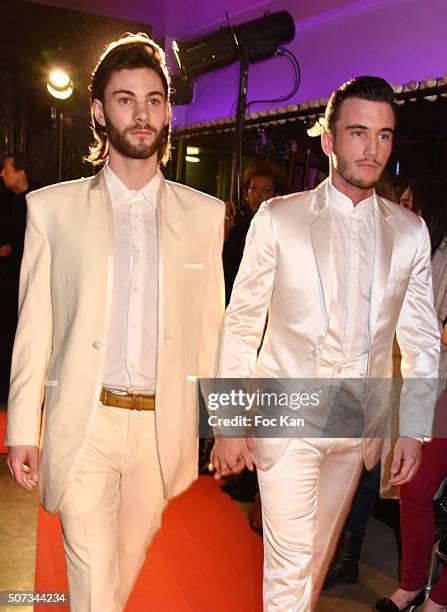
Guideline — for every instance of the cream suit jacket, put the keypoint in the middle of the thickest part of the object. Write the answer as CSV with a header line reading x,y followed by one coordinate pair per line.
x,y
65,302
287,270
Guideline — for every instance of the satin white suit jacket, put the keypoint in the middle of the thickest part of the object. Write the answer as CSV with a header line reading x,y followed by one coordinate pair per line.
x,y
286,271
65,301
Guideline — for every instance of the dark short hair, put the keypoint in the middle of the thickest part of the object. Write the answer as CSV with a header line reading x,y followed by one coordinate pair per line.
x,y
20,161
430,201
372,88
269,169
131,51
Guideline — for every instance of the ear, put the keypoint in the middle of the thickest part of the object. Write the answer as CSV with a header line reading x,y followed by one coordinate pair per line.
x,y
327,141
98,112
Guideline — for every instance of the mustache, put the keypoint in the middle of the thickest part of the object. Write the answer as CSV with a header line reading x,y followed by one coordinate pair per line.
x,y
369,161
140,126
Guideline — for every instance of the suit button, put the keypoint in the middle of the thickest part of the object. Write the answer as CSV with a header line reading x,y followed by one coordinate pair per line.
x,y
97,345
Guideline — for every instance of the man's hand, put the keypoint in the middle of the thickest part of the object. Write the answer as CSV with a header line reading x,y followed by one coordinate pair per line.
x,y
406,460
230,213
23,463
5,250
230,456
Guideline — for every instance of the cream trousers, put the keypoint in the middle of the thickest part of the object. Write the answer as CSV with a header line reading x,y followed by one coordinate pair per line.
x,y
306,497
111,509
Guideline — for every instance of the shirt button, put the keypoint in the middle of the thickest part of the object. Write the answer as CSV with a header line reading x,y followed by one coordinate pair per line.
x,y
362,373
338,369
136,289
137,251
97,345
131,364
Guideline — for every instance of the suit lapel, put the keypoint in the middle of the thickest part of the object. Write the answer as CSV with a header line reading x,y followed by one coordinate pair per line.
x,y
320,231
384,240
162,227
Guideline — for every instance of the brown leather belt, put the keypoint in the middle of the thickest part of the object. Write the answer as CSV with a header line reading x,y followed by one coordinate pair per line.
x,y
131,401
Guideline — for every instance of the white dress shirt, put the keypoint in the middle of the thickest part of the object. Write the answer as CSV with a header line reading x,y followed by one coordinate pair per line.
x,y
131,342
353,244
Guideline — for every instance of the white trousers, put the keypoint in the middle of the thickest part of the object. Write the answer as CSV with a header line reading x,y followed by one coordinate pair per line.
x,y
111,509
306,497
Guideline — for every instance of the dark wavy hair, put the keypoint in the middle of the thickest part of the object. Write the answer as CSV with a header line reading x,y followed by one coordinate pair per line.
x,y
269,169
430,201
130,51
374,89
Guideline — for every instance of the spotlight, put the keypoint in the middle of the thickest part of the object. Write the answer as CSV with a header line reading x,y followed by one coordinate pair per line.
x,y
257,40
247,43
60,85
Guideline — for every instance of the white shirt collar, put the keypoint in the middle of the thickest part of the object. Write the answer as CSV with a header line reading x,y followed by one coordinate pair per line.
x,y
119,190
342,203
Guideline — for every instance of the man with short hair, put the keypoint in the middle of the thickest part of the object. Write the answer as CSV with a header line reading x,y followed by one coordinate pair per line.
x,y
339,270
121,302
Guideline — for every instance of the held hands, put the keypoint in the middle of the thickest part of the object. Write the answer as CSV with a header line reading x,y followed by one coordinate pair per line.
x,y
230,456
406,460
23,463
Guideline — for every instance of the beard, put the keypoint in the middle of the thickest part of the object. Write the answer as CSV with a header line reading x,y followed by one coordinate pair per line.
x,y
142,150
344,170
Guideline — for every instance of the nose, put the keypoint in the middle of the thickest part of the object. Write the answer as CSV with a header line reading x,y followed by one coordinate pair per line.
x,y
372,146
141,112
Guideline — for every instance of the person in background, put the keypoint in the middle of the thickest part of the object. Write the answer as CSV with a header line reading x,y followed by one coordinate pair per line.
x,y
15,174
260,182
427,196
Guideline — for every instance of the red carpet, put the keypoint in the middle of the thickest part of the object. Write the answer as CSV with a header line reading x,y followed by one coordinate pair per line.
x,y
3,448
205,558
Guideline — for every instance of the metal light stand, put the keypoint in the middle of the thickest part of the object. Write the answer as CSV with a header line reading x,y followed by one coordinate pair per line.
x,y
236,168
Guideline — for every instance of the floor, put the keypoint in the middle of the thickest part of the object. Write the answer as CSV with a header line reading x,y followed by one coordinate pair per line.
x,y
18,512
18,534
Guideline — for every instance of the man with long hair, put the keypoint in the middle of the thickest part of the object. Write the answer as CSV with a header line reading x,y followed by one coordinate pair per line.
x,y
121,301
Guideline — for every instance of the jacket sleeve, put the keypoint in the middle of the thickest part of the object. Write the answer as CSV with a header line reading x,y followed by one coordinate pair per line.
x,y
418,337
246,314
214,307
33,340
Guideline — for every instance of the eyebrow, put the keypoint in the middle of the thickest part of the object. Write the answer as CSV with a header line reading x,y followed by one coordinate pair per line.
x,y
356,126
128,92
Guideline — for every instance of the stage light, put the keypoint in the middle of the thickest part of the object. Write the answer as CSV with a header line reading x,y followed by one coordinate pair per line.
x,y
256,40
60,85
192,150
192,159
247,43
